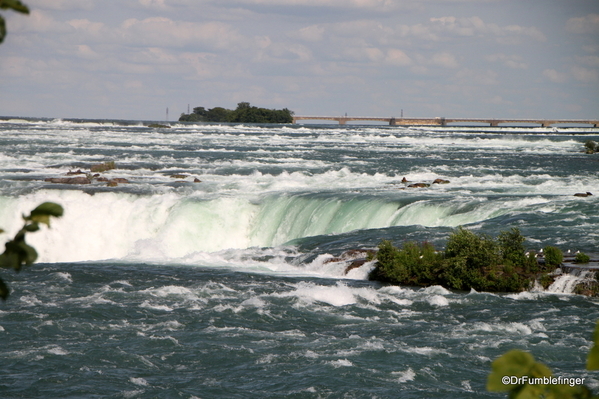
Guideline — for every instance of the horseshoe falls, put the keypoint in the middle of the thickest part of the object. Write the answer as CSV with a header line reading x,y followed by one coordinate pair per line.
x,y
217,269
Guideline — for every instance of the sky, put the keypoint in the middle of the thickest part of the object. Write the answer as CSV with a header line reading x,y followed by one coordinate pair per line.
x,y
133,59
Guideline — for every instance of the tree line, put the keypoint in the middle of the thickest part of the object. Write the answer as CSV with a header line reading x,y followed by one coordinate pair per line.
x,y
244,113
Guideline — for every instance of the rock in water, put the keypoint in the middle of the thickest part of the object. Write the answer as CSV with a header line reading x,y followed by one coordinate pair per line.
x,y
69,180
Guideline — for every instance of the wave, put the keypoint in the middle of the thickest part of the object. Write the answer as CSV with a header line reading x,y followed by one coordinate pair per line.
x,y
171,226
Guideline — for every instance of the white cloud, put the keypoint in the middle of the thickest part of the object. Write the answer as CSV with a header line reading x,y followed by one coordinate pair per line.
x,y
510,61
369,4
85,51
475,26
164,32
280,52
459,26
555,76
587,24
589,60
398,58
578,73
37,21
303,53
313,33
585,75
61,5
87,27
444,59
497,100
202,63
591,48
159,4
473,77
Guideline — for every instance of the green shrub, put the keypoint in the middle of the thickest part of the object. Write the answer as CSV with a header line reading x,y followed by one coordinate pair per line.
x,y
553,256
546,280
480,251
582,258
512,247
412,265
470,261
531,264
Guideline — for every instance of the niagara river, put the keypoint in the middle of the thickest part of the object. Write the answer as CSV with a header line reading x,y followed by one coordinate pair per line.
x,y
215,269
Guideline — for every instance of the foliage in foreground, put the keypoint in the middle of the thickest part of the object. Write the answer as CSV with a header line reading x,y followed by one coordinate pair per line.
x,y
517,373
244,113
591,147
17,252
469,261
13,5
581,257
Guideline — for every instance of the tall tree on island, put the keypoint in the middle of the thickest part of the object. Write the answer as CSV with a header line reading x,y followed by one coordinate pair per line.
x,y
244,113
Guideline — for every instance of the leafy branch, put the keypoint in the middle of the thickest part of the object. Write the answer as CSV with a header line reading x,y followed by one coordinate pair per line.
x,y
13,5
517,373
17,252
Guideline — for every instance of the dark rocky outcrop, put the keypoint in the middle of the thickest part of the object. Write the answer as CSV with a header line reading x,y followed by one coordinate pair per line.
x,y
103,167
354,265
423,185
583,194
69,180
355,257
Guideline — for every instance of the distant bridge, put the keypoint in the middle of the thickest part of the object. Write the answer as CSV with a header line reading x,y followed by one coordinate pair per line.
x,y
445,121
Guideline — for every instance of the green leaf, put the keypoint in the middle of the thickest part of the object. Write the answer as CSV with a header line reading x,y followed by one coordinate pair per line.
x,y
15,5
2,29
24,253
593,359
48,208
514,363
4,291
30,254
32,227
9,261
43,212
529,392
539,370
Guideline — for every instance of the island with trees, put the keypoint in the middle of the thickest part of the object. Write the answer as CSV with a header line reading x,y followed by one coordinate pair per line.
x,y
475,261
244,113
